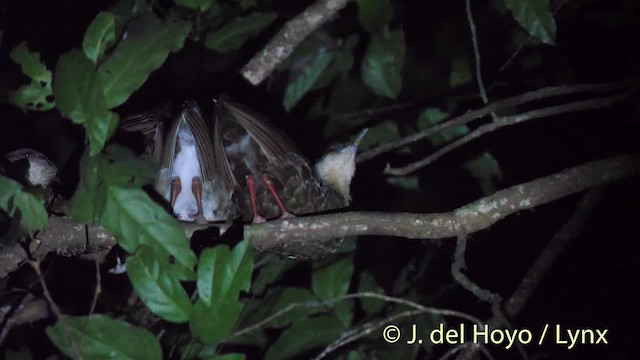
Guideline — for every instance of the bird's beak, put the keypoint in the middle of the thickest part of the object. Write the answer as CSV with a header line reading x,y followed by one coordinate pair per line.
x,y
360,136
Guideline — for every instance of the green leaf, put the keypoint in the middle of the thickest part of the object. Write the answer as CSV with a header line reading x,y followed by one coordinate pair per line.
x,y
100,35
211,265
486,169
382,133
382,63
460,72
536,17
340,66
368,284
404,182
134,219
227,357
269,273
278,299
38,94
247,4
200,5
431,116
138,55
102,337
223,274
373,15
13,197
236,33
305,81
116,166
79,97
158,288
30,63
305,335
331,281
213,323
123,168
87,203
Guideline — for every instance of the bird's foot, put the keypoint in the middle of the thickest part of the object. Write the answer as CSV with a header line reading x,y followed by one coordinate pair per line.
x,y
285,213
251,184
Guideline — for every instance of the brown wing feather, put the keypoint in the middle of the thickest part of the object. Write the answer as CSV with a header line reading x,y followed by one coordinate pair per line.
x,y
273,144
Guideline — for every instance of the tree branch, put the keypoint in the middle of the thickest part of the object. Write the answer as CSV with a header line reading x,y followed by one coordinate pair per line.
x,y
552,91
308,236
547,257
292,34
507,121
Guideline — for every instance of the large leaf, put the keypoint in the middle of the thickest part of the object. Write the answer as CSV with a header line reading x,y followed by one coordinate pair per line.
x,y
116,166
79,97
13,197
382,63
341,64
536,17
87,203
158,287
123,168
38,94
134,219
223,274
100,35
101,337
138,55
303,336
373,15
269,273
332,280
109,193
236,33
368,284
213,323
306,80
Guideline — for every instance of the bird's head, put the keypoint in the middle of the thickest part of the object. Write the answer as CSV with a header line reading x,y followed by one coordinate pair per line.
x,y
35,168
338,166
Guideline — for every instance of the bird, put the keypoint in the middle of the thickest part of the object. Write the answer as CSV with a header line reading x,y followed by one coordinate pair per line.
x,y
38,175
237,164
33,170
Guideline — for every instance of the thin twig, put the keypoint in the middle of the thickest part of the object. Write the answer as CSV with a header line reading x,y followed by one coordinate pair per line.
x,y
363,331
94,301
458,265
476,51
506,121
54,307
328,304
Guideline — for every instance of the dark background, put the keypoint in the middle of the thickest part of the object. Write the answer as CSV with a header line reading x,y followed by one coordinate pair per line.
x,y
594,282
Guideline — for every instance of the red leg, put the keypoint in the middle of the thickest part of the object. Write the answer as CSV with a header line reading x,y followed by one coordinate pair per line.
x,y
176,187
196,188
251,183
285,213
